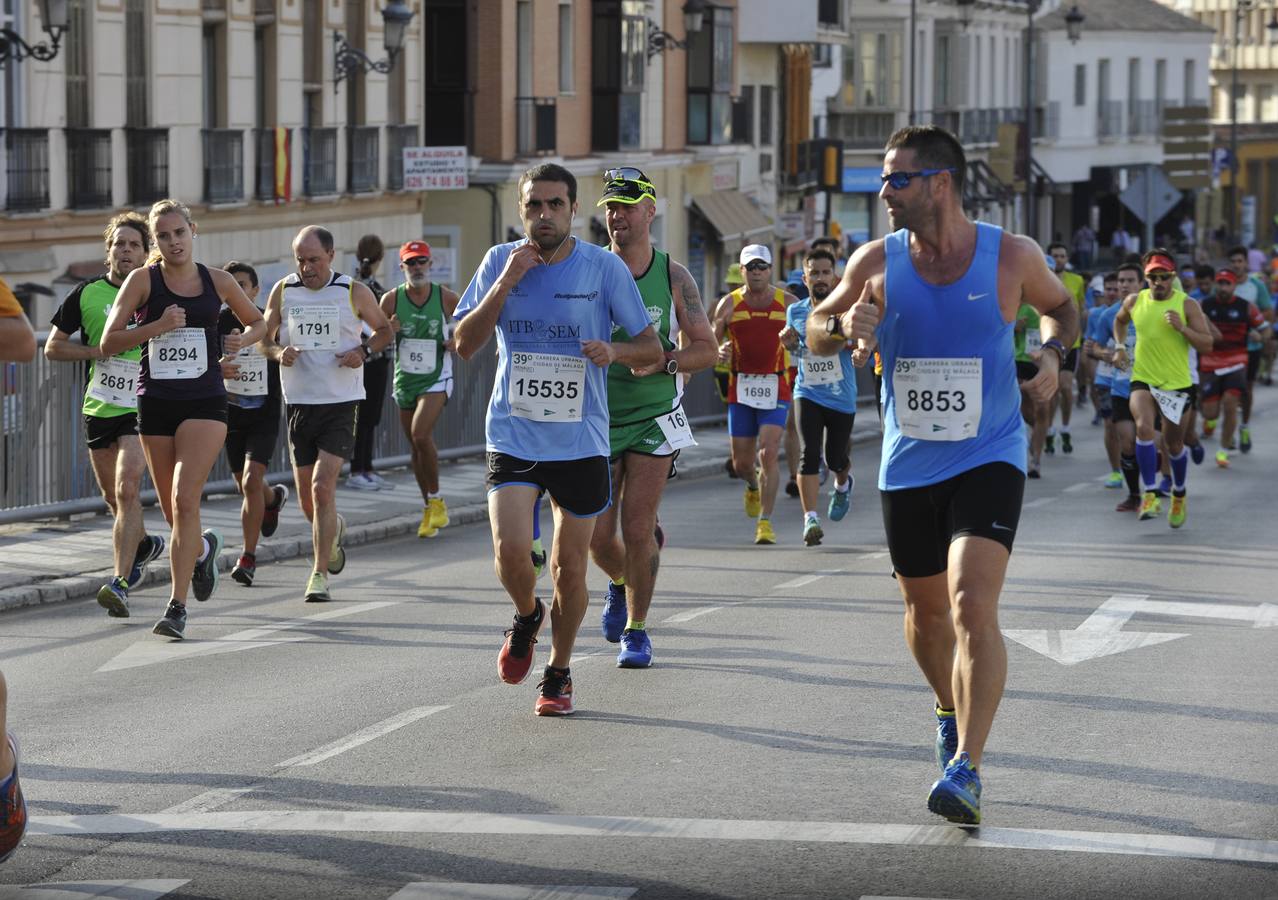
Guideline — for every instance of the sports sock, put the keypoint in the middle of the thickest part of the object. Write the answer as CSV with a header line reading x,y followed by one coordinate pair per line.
x,y
1064,429
1180,469
1131,474
619,582
813,517
204,554
635,624
433,495
534,618
844,487
1147,459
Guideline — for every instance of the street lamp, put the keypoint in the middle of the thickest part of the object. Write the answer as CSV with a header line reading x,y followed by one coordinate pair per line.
x,y
54,17
348,60
1241,7
694,13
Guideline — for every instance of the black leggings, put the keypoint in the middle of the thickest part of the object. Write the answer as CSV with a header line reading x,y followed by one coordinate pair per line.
x,y
813,419
376,377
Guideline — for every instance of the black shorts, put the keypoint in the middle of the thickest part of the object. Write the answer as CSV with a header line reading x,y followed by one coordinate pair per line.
x,y
1253,365
814,421
251,433
102,433
1214,385
313,427
581,487
1122,409
1026,371
922,522
160,417
1190,392
1071,361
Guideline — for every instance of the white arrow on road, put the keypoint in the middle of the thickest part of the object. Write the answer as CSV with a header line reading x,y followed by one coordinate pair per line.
x,y
1102,635
144,889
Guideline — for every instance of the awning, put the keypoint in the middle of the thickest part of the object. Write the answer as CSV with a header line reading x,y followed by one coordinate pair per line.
x,y
735,217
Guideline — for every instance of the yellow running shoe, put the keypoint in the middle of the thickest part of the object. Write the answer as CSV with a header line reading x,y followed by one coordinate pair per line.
x,y
753,502
438,511
763,533
427,529
1176,517
1150,506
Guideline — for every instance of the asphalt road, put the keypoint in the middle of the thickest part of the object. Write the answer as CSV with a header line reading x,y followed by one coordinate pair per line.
x,y
779,747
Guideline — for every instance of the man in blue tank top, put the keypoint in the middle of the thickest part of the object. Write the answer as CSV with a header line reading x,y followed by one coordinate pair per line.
x,y
938,298
552,300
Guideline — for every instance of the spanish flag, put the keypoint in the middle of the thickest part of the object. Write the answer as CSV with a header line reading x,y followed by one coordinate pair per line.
x,y
283,165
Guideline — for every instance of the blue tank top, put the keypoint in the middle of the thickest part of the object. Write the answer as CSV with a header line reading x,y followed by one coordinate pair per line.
x,y
941,346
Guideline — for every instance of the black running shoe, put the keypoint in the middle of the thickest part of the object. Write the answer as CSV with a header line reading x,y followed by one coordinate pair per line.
x,y
204,578
245,569
149,550
792,488
271,515
174,622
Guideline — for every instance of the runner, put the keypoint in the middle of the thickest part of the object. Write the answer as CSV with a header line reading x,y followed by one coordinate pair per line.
x,y
1028,344
421,314
1250,288
824,402
1167,324
171,307
1099,327
110,407
17,344
552,300
252,430
1129,282
314,318
752,318
723,362
647,425
939,297
1065,396
377,373
1224,367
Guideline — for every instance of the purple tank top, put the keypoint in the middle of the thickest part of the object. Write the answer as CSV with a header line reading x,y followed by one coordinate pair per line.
x,y
201,312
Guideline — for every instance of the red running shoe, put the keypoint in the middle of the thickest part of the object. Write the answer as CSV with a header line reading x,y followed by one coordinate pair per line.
x,y
555,697
13,809
271,515
515,660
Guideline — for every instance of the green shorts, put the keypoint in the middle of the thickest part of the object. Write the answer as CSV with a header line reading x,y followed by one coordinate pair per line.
x,y
640,437
407,393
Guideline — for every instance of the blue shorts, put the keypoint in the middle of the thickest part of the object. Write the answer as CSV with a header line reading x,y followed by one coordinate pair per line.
x,y
745,421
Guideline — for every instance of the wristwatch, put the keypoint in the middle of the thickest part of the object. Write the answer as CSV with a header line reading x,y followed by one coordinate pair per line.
x,y
672,364
834,326
368,354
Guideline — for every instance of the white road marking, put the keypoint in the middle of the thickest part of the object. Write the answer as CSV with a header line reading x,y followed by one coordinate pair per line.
x,y
689,615
803,580
143,889
456,890
870,833
1081,486
1035,504
155,650
363,736
211,800
882,897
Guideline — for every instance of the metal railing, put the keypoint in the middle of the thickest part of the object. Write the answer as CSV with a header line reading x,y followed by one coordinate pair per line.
x,y
1109,119
397,138
88,168
863,129
535,125
1047,121
44,465
362,158
148,164
223,165
319,155
26,169
1143,118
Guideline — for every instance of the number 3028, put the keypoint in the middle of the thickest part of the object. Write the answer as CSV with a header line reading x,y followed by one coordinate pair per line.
x,y
935,401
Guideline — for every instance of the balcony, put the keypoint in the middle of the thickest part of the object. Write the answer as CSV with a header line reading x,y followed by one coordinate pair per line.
x,y
362,158
980,126
535,126
223,165
865,130
264,166
949,119
26,169
1109,119
88,168
148,164
1047,121
319,161
1143,118
397,138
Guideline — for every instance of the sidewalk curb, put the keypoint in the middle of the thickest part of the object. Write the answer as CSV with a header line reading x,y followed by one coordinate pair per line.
x,y
83,587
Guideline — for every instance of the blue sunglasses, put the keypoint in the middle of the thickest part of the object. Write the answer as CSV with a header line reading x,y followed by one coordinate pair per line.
x,y
900,180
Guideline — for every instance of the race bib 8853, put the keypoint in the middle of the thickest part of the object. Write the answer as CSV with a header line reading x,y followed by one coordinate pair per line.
x,y
937,399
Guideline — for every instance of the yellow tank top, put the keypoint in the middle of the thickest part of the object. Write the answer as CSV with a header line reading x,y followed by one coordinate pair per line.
x,y
1162,352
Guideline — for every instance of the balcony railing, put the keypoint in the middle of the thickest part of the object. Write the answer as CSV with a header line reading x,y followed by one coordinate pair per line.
x,y
362,158
1143,118
949,119
535,125
88,168
223,165
1047,121
319,155
264,164
1109,119
863,130
397,138
148,164
26,169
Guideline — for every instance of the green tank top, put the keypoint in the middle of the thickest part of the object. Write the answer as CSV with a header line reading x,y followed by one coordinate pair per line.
x,y
419,323
630,399
1032,323
96,300
1162,352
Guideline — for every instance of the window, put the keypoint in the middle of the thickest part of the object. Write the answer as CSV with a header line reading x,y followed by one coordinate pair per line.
x,y
1189,87
212,50
766,93
76,53
566,59
743,116
1133,81
822,56
711,67
830,12
877,74
135,64
1160,83
619,41
523,48
942,96
1102,81
1080,85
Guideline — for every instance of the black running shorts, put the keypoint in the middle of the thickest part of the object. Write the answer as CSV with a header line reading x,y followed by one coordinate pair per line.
x,y
922,522
581,487
252,434
161,416
313,427
102,433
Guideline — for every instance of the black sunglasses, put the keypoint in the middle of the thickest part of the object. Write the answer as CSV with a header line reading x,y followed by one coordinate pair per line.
x,y
1160,276
900,180
757,266
627,173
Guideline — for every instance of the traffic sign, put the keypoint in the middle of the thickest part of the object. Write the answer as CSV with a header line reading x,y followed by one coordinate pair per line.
x,y
1150,195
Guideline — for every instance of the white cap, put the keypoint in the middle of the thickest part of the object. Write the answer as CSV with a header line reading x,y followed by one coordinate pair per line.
x,y
751,252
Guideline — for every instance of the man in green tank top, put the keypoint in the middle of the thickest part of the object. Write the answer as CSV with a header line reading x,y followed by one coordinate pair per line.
x,y
110,405
1162,385
1028,340
647,423
421,314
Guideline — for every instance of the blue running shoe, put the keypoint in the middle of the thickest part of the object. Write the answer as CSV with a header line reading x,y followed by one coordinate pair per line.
x,y
946,737
956,795
613,619
1164,487
839,501
1196,453
636,650
149,551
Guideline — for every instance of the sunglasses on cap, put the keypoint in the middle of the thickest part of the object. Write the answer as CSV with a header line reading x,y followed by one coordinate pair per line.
x,y
1161,276
757,265
627,173
900,180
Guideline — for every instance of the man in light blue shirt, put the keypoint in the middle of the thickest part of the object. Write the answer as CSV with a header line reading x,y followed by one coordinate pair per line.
x,y
552,301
